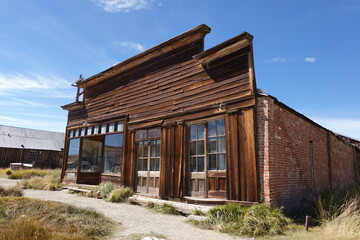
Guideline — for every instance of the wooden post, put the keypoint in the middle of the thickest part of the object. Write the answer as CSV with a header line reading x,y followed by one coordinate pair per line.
x,y
307,223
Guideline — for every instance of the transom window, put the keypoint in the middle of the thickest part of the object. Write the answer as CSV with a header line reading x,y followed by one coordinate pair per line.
x,y
207,141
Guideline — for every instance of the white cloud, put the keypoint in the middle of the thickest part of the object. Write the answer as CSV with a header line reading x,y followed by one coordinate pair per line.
x,y
278,59
114,6
43,86
310,59
131,45
346,126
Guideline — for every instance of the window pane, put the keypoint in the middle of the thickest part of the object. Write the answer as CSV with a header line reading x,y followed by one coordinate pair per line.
x,y
220,127
200,147
157,164
222,162
91,154
111,127
221,144
193,132
145,164
73,154
103,128
155,133
71,133
141,135
153,148
96,129
200,131
212,145
113,153
139,164
152,164
212,162
212,128
193,164
76,132
193,148
200,161
82,133
89,131
145,149
120,126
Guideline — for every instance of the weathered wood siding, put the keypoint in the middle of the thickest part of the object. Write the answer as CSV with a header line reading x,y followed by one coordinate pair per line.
x,y
45,159
173,161
241,160
173,88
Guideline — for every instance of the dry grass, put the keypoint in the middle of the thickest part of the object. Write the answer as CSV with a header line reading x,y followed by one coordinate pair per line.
x,y
50,181
22,218
28,173
13,192
256,220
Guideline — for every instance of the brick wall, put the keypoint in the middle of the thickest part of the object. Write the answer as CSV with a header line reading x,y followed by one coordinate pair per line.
x,y
293,156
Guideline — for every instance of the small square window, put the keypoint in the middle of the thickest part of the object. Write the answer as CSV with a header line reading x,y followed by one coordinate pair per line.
x,y
89,130
112,127
96,129
103,128
120,127
82,133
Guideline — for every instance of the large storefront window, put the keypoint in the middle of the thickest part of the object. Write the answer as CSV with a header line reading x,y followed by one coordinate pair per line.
x,y
73,154
91,154
113,153
207,141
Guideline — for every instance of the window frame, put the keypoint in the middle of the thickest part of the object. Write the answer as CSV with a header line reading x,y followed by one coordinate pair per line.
x,y
206,145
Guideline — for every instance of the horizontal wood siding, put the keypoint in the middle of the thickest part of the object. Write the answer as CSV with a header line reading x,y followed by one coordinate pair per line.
x,y
176,84
241,158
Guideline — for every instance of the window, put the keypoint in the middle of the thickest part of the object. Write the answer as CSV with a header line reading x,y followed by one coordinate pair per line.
x,y
155,155
217,147
91,154
197,147
113,153
207,141
148,149
142,154
73,154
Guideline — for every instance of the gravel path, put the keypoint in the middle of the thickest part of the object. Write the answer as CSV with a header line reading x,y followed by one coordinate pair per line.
x,y
134,219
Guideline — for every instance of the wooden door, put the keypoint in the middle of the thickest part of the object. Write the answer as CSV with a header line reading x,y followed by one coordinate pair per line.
x,y
148,163
207,156
91,158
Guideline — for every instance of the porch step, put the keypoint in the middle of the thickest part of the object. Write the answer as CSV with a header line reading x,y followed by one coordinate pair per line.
x,y
185,208
80,188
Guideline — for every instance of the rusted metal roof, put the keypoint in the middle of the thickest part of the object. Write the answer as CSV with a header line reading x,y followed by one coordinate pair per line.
x,y
15,137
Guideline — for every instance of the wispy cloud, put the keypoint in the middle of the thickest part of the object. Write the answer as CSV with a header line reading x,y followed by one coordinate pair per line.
x,y
130,45
114,6
336,9
277,59
345,126
44,86
310,59
57,126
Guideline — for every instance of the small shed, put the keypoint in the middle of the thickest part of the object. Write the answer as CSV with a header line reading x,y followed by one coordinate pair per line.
x,y
42,149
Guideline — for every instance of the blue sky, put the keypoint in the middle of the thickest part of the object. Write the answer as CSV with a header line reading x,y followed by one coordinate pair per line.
x,y
307,53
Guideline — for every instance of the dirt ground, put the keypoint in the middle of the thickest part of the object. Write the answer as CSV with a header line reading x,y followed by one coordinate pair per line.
x,y
134,219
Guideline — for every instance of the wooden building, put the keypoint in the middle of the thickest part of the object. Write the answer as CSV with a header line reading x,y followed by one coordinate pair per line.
x,y
42,149
174,121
